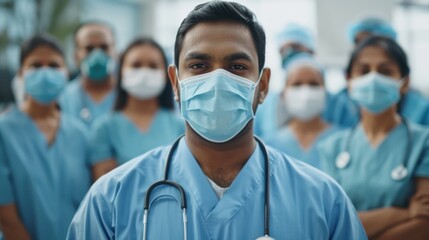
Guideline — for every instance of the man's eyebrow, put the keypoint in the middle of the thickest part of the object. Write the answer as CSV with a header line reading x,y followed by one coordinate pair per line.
x,y
238,56
197,55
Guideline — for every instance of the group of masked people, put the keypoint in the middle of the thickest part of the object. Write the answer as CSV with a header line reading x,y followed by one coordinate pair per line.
x,y
63,135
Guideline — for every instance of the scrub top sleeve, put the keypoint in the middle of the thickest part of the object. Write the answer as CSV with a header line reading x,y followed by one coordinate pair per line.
x,y
6,192
422,169
92,220
100,145
344,222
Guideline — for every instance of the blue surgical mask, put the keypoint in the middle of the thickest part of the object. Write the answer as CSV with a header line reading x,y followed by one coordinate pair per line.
x,y
375,92
97,66
217,105
44,84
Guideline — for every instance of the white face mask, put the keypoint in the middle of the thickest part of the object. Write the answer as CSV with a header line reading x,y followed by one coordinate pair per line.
x,y
305,102
143,83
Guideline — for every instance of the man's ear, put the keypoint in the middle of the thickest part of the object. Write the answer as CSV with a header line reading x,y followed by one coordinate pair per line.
x,y
406,86
264,83
174,81
348,82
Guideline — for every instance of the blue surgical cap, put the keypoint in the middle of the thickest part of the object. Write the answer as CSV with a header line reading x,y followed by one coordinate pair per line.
x,y
296,34
303,60
371,25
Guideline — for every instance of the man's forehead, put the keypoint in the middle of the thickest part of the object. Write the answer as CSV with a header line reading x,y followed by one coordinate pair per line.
x,y
95,32
218,38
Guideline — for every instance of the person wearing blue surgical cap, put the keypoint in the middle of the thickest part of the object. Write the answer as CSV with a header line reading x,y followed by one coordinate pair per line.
x,y
292,40
218,181
92,94
304,97
144,116
368,27
44,166
344,112
383,162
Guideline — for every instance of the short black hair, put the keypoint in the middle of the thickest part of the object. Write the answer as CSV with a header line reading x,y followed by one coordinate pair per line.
x,y
89,23
165,99
37,41
390,47
215,11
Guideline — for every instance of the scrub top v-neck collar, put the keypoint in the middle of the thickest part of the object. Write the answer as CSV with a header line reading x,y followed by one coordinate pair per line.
x,y
360,133
41,138
151,127
89,103
308,150
186,170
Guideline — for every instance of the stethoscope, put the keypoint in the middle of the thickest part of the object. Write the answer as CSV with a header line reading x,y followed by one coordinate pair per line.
x,y
183,194
398,173
84,113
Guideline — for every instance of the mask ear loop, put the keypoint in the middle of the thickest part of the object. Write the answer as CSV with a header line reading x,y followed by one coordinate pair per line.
x,y
261,94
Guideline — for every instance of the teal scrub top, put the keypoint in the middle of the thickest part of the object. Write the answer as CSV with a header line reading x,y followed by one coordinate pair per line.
x,y
45,182
285,141
367,178
305,203
116,136
74,101
342,111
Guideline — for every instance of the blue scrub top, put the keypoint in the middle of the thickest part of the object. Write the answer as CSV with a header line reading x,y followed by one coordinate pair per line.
x,y
116,136
285,141
305,203
341,110
46,183
367,179
74,99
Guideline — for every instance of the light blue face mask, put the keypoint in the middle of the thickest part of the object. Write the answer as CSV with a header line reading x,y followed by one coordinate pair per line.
x,y
217,105
97,66
44,84
375,92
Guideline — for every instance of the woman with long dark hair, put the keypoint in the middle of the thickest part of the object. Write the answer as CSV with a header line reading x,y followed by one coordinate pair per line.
x,y
144,116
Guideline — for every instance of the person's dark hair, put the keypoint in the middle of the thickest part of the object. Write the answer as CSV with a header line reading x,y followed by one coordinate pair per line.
x,y
89,23
390,47
37,41
165,99
215,11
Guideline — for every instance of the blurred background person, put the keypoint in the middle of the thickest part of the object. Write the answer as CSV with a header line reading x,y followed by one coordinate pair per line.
x,y
44,167
292,40
92,93
383,162
345,112
144,116
304,97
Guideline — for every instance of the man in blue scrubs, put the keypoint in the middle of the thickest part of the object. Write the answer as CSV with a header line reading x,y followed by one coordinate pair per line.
x,y
92,94
219,79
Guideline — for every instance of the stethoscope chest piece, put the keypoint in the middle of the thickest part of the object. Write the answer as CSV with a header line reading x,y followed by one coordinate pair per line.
x,y
399,173
265,238
85,114
343,159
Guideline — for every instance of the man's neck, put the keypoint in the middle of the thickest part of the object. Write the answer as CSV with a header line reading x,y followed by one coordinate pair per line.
x,y
222,162
98,90
376,127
